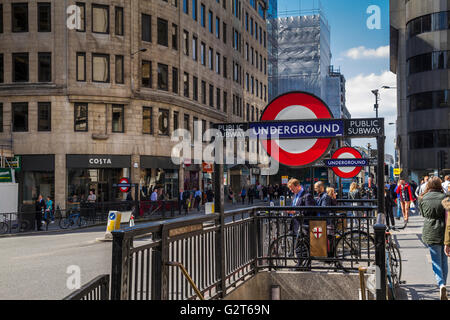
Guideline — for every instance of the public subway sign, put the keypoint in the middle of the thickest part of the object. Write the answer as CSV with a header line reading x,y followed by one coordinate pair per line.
x,y
304,129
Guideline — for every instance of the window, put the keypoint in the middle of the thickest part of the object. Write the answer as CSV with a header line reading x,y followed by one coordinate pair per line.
x,y
210,21
20,67
203,92
118,118
195,88
163,77
186,85
163,32
175,80
20,116
203,130
1,117
100,67
217,28
211,96
44,17
81,117
224,33
187,127
163,122
211,59
186,6
196,131
119,70
100,18
147,123
194,48
176,124
225,104
186,42
146,28
218,96
44,67
82,22
146,74
218,61
1,18
203,53
2,79
225,68
174,36
81,66
194,10
119,29
44,116
202,15
19,17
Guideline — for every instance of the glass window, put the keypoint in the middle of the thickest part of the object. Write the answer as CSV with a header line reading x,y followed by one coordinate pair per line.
x,y
44,67
186,124
146,74
225,104
218,97
186,85
44,116
211,96
1,18
174,36
163,77
211,59
81,117
210,21
185,6
441,99
163,122
118,118
202,15
218,61
147,124
176,124
100,18
203,92
119,70
194,48
195,88
20,67
194,10
19,17
2,79
1,117
119,29
146,27
100,67
20,116
174,80
217,27
203,53
163,32
224,33
225,71
186,42
82,22
44,17
81,66
36,183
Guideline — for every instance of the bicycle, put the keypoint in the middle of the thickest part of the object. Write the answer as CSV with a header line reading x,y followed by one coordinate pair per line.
x,y
73,219
349,247
6,226
393,266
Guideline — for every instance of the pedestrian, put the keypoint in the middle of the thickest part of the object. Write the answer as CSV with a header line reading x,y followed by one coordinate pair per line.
x,y
422,187
270,191
197,198
48,216
40,209
186,198
404,190
243,195
446,205
433,233
209,195
389,205
251,194
445,184
323,199
302,198
332,193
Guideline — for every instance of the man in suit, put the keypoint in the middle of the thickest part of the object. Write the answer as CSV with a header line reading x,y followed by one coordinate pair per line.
x,y
302,198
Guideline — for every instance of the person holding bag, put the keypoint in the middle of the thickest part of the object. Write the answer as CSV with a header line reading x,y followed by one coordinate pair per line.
x,y
446,205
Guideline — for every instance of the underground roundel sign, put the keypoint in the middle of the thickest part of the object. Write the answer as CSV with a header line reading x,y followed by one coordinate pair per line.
x,y
347,162
297,106
125,181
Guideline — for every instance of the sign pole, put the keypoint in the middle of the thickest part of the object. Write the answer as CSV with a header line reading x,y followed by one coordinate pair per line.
x,y
380,174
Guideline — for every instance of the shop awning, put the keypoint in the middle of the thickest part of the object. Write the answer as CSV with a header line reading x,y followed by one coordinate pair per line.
x,y
150,162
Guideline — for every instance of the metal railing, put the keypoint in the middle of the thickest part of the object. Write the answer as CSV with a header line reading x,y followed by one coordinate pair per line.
x,y
97,289
220,258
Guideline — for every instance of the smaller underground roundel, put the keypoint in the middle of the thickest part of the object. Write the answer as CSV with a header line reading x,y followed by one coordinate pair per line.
x,y
124,181
347,154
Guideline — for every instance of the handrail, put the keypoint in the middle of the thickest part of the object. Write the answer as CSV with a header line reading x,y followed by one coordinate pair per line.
x,y
101,282
188,277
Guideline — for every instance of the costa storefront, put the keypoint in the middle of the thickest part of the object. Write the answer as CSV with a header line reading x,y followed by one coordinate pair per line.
x,y
98,173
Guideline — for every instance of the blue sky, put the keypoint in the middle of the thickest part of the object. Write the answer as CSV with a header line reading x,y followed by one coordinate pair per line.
x,y
362,55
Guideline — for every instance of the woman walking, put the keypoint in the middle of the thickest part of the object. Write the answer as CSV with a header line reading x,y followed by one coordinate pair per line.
x,y
433,234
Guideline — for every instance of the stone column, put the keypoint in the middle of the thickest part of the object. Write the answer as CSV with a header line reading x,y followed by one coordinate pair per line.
x,y
135,172
60,181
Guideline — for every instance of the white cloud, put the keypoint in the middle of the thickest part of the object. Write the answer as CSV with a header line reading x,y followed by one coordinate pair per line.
x,y
361,101
366,53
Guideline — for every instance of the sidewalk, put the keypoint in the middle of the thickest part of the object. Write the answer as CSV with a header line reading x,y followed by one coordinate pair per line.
x,y
416,262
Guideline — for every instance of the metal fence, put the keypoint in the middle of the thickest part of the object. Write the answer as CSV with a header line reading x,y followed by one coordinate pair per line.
x,y
97,289
220,257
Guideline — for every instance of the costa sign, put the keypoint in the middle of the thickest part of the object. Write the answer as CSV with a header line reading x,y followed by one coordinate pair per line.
x,y
299,152
347,162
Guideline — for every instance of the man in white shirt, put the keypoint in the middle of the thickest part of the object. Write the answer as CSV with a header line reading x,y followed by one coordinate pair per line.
x,y
421,189
446,184
154,196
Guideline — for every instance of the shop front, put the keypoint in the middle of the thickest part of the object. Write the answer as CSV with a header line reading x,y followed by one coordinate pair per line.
x,y
192,176
160,173
97,173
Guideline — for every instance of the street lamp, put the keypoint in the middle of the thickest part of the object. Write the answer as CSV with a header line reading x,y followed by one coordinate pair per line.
x,y
377,97
140,50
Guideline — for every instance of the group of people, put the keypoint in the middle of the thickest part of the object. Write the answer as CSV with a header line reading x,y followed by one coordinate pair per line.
x,y
258,191
44,212
190,199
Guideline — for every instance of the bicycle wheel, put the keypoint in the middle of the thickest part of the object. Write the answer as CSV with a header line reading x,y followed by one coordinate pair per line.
x,y
355,249
24,225
64,223
395,264
4,228
282,253
82,222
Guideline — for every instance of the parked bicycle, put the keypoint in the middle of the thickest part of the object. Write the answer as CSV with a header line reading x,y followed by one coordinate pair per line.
x,y
393,266
346,247
74,219
7,226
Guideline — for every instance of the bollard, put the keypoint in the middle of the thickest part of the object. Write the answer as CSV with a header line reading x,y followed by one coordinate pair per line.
x,y
380,256
276,293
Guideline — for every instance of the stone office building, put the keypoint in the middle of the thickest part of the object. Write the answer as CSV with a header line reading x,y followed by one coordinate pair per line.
x,y
420,52
91,92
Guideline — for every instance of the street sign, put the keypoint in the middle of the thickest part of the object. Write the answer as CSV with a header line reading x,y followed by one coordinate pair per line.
x,y
355,128
284,180
298,152
397,171
124,185
347,162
